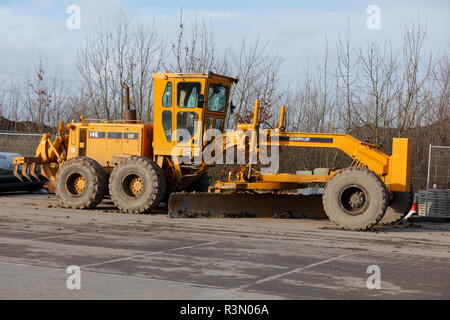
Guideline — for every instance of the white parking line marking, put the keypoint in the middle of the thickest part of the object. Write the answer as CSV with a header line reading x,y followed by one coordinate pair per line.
x,y
149,254
115,275
294,271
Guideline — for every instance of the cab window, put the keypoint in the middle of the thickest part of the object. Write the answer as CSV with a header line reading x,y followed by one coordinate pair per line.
x,y
208,126
167,124
187,121
188,94
219,124
167,96
217,97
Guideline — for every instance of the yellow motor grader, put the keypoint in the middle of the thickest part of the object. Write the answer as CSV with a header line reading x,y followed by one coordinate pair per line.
x,y
140,164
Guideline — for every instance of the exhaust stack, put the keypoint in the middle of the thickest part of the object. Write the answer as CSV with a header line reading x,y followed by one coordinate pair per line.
x,y
129,115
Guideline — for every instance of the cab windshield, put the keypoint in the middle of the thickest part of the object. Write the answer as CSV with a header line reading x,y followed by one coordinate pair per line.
x,y
217,97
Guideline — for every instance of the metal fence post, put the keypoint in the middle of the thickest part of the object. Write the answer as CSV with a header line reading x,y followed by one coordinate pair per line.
x,y
428,179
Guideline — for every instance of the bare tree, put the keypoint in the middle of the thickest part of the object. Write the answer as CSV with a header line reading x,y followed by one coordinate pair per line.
x,y
149,53
376,87
117,52
438,103
194,49
12,109
347,77
43,98
314,107
416,73
258,74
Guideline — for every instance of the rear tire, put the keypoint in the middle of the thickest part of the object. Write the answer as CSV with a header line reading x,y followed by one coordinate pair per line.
x,y
81,183
399,206
355,198
137,185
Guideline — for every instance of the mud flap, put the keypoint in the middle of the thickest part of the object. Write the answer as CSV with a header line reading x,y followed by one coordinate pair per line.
x,y
192,205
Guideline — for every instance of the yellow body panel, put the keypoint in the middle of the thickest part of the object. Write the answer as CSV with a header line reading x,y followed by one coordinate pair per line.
x,y
400,165
104,141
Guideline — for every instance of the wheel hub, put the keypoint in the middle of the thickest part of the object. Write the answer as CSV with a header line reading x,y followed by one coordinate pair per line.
x,y
76,184
354,200
357,200
133,185
136,185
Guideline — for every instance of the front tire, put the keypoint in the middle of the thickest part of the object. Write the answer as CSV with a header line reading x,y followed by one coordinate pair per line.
x,y
137,185
81,183
355,198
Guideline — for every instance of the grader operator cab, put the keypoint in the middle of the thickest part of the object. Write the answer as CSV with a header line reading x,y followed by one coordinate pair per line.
x,y
138,164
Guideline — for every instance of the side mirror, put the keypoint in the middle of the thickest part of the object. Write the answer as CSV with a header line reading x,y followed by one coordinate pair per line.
x,y
232,107
200,100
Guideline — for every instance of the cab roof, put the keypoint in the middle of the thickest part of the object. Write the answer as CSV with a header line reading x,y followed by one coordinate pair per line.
x,y
210,74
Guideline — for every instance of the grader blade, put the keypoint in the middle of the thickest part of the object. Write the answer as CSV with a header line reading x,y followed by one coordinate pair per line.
x,y
192,205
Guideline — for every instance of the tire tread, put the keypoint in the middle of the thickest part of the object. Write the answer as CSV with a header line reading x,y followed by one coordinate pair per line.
x,y
381,212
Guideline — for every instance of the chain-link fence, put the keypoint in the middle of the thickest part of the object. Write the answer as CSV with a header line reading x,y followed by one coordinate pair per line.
x,y
16,143
19,142
435,200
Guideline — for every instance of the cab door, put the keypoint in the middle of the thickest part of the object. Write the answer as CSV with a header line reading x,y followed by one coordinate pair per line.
x,y
164,106
188,116
218,95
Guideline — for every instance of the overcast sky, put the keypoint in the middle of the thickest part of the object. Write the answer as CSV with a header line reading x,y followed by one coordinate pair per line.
x,y
30,29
